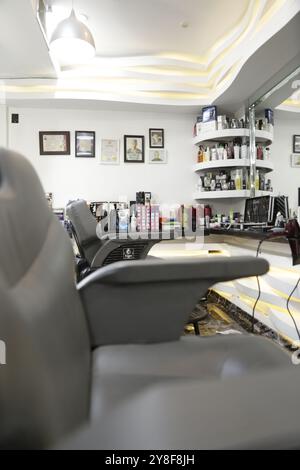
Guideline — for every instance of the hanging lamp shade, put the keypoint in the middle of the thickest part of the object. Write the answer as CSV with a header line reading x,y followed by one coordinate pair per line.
x,y
72,41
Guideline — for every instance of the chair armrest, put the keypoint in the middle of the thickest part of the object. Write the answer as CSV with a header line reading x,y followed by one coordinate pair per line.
x,y
157,270
150,301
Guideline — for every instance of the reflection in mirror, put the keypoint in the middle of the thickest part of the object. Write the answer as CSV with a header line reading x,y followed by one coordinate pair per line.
x,y
284,100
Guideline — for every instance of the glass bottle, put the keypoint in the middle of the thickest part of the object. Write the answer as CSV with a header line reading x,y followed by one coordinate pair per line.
x,y
257,180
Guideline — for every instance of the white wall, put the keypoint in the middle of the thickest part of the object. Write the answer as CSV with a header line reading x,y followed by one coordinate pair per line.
x,y
68,177
285,179
3,125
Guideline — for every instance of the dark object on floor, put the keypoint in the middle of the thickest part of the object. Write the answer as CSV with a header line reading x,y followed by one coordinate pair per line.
x,y
199,313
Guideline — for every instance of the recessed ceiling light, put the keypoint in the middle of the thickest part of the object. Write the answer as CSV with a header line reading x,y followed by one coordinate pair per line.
x,y
184,24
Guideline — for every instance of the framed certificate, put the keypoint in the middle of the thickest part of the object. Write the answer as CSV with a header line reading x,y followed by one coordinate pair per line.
x,y
85,144
54,143
110,152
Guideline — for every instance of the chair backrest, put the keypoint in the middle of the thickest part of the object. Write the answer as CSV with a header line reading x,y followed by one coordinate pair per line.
x,y
84,227
44,386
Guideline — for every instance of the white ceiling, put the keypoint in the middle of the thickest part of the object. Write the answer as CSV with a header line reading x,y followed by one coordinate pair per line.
x,y
146,27
273,61
144,55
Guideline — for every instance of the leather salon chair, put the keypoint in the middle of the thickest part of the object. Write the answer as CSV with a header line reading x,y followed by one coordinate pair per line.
x,y
111,347
97,250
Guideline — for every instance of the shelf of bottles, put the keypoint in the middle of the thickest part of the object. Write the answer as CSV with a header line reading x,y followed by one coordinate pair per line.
x,y
223,159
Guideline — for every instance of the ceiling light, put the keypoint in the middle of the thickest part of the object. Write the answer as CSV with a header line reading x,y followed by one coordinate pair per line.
x,y
72,42
184,24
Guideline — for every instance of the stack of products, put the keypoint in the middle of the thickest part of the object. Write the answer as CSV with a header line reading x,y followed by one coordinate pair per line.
x,y
238,179
231,150
209,120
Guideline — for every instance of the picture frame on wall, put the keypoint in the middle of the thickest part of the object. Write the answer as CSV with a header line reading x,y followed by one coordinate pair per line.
x,y
295,160
157,156
85,144
156,138
296,144
54,143
110,152
134,149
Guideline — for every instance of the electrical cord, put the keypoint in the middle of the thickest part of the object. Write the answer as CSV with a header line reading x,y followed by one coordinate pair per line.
x,y
258,285
290,313
259,294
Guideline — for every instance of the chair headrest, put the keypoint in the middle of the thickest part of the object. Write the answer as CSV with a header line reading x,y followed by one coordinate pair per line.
x,y
82,221
22,206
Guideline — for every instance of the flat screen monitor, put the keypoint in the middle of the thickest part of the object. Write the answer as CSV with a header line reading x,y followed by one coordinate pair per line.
x,y
264,209
259,210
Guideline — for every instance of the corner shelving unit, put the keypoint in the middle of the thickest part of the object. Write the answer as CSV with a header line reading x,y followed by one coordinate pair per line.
x,y
267,165
236,194
210,137
264,137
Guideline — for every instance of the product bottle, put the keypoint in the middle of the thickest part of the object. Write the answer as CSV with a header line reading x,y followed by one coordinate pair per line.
x,y
244,150
133,223
201,154
123,220
207,154
238,181
207,215
262,182
230,152
259,153
257,180
214,154
199,186
236,150
266,153
225,152
220,151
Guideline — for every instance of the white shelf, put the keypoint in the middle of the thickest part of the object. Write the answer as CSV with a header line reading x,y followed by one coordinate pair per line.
x,y
232,163
226,135
245,193
264,137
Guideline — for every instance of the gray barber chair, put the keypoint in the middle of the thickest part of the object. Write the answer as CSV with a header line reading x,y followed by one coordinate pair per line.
x,y
97,252
77,355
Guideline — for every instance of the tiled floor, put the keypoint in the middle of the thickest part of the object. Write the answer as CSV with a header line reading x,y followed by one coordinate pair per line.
x,y
216,321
